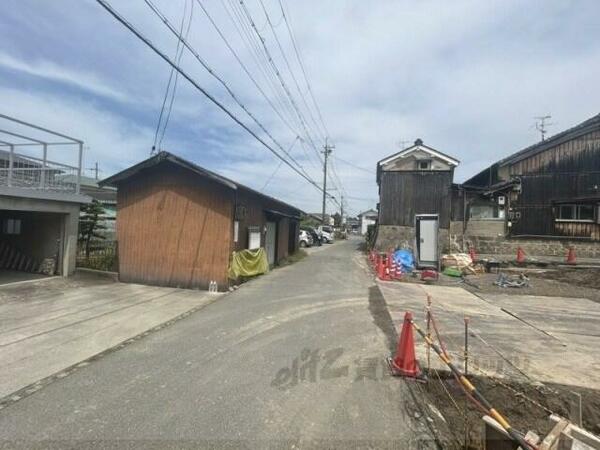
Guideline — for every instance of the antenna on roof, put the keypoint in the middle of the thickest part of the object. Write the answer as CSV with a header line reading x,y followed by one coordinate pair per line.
x,y
403,144
541,124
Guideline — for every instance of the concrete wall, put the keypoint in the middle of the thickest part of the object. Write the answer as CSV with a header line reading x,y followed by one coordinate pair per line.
x,y
44,222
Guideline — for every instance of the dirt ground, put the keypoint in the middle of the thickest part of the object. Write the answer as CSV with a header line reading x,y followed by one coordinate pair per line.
x,y
526,406
580,283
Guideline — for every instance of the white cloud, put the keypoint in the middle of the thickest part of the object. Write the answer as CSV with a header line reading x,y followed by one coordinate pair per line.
x,y
47,69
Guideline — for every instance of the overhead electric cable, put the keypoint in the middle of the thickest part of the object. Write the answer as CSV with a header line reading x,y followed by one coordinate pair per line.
x,y
301,63
244,68
278,166
287,63
353,165
178,61
277,71
221,81
194,83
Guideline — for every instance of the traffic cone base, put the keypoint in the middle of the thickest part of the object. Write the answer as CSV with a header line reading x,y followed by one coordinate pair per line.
x,y
405,362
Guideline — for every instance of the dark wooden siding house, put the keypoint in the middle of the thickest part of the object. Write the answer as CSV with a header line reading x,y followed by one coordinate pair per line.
x,y
178,223
543,198
415,200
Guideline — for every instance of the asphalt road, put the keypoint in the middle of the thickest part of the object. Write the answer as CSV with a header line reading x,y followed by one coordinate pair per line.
x,y
294,359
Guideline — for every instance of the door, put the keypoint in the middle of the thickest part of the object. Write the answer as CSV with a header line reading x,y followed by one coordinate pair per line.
x,y
427,240
271,242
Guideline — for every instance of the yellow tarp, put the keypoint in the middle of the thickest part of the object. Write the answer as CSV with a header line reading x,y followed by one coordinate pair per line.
x,y
248,263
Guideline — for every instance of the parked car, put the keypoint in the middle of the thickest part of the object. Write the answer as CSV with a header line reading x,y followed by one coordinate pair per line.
x,y
326,234
316,237
305,239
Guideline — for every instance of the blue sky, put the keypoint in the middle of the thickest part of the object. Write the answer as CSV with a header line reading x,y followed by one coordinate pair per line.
x,y
465,76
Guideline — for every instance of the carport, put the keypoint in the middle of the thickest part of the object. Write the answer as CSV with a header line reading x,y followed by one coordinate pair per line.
x,y
39,210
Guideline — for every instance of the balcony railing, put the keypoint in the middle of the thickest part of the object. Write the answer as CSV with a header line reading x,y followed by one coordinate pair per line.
x,y
25,162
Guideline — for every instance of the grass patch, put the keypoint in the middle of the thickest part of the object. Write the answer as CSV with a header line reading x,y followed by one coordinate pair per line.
x,y
298,255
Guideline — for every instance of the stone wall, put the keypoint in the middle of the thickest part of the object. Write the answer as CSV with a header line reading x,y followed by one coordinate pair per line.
x,y
487,237
392,237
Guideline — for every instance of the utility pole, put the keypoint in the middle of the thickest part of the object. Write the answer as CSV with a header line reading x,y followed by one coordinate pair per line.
x,y
96,170
541,124
342,211
326,151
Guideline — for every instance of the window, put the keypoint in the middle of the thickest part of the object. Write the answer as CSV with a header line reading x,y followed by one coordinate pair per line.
x,y
573,212
489,211
424,164
11,226
253,238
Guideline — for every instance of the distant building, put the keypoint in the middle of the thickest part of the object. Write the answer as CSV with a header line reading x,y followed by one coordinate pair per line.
x,y
415,191
177,223
353,224
105,195
329,220
367,218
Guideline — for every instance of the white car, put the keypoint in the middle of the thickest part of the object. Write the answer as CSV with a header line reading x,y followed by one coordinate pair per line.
x,y
326,233
305,239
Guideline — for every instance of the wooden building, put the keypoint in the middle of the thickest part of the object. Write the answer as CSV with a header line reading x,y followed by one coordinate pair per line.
x,y
546,196
178,223
414,201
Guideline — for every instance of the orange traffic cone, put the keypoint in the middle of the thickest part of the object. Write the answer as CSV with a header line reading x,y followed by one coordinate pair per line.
x,y
472,254
405,363
571,258
520,255
380,267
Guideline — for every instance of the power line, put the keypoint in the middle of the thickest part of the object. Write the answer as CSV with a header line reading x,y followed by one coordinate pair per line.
x,y
167,90
221,81
277,71
287,63
244,68
194,83
301,63
250,41
337,158
178,60
278,166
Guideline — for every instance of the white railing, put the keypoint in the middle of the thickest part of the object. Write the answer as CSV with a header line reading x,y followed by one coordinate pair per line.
x,y
20,168
24,171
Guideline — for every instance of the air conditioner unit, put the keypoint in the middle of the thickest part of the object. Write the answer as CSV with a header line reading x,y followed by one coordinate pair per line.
x,y
501,200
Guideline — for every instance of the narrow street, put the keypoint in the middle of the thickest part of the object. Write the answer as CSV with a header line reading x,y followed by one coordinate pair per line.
x,y
293,358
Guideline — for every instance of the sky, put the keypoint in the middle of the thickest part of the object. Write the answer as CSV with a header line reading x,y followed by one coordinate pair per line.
x,y
467,77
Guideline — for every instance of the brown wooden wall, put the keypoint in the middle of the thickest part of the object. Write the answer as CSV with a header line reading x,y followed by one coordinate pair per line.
x,y
563,173
174,228
554,157
283,229
404,194
255,215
